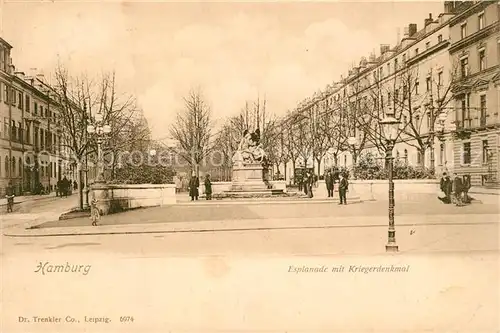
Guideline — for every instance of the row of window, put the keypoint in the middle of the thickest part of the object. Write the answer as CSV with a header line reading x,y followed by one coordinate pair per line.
x,y
15,98
18,134
481,24
14,168
486,153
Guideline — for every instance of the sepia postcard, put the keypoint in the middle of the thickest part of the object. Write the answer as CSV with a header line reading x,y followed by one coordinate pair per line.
x,y
249,166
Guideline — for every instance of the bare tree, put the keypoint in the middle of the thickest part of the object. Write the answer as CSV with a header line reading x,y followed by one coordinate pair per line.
x,y
192,129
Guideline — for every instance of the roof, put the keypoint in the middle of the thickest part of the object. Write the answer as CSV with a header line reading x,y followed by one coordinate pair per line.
x,y
4,42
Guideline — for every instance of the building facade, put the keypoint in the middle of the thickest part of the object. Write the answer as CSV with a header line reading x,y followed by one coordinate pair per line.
x,y
431,89
32,153
475,47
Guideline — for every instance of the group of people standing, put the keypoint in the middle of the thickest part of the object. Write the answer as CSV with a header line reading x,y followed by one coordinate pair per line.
x,y
343,186
455,190
194,184
63,187
306,181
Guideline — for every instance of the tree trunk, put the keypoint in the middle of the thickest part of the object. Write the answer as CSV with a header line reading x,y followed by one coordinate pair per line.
x,y
284,173
293,166
421,152
319,165
80,187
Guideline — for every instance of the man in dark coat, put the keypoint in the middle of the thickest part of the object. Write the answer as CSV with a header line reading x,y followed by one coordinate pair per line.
x,y
343,187
208,187
329,183
65,186
466,185
194,184
446,188
457,189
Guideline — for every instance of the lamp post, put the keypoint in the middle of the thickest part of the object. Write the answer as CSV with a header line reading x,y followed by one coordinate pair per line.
x,y
389,126
100,128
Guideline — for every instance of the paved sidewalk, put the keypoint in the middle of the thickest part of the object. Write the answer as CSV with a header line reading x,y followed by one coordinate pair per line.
x,y
26,198
259,224
39,212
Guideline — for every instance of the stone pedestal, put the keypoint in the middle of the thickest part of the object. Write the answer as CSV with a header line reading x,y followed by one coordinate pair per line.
x,y
248,177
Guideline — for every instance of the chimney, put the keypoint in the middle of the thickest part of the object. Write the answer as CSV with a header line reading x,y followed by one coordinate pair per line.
x,y
384,48
412,29
20,75
428,20
406,32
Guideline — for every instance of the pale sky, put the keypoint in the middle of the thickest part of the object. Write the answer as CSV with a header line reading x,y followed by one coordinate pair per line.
x,y
232,51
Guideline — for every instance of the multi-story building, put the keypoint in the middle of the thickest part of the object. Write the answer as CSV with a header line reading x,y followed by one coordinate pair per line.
x,y
31,153
475,48
418,80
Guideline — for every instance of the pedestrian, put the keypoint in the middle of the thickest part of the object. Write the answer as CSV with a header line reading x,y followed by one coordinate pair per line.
x,y
310,183
10,193
95,214
194,184
343,188
466,185
65,186
208,187
457,190
75,185
445,187
58,188
329,183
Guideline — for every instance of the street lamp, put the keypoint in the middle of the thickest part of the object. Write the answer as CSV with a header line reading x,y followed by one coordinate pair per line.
x,y
100,129
390,126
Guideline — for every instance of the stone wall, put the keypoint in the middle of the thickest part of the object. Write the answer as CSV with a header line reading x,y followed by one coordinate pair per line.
x,y
120,197
406,190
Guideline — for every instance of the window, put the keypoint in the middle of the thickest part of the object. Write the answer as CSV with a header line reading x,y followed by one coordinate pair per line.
x,y
463,30
417,86
405,91
13,166
6,166
466,153
441,154
396,64
440,38
13,131
388,69
427,45
6,128
464,67
5,94
485,152
405,120
20,101
416,52
428,83
482,60
428,120
406,156
480,21
440,79
35,108
27,103
20,166
404,58
482,108
419,158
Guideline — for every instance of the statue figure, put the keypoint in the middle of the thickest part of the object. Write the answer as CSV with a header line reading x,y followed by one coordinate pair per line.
x,y
249,150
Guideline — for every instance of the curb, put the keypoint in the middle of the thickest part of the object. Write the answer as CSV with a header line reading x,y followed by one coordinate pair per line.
x,y
173,227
